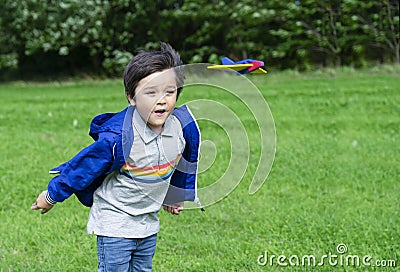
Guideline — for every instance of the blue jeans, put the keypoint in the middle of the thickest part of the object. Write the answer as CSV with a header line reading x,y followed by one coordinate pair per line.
x,y
125,254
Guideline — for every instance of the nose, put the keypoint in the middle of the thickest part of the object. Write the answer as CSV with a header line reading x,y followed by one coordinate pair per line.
x,y
161,100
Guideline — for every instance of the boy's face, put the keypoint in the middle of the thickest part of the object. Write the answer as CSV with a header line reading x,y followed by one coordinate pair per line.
x,y
155,98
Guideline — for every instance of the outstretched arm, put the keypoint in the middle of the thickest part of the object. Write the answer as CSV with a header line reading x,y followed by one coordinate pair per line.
x,y
79,173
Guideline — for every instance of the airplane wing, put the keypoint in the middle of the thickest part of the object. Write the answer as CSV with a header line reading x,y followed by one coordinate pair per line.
x,y
236,67
241,68
246,66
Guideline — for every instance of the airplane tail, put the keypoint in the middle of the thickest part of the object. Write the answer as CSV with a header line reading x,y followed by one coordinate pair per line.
x,y
227,61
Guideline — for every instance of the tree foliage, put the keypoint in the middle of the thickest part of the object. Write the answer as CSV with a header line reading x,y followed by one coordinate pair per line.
x,y
102,35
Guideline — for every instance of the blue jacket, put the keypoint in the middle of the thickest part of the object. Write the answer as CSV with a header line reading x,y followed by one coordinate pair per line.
x,y
113,135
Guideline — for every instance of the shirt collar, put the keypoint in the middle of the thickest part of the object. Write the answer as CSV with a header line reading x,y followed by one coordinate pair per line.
x,y
145,132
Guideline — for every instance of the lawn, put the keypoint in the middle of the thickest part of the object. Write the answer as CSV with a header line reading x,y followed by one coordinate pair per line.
x,y
333,189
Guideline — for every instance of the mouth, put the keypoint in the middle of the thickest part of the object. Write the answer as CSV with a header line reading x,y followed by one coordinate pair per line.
x,y
160,112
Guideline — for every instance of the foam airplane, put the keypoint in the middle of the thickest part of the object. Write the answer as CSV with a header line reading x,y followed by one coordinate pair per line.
x,y
246,66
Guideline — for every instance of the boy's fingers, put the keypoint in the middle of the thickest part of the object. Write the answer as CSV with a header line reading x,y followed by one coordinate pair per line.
x,y
177,211
34,206
170,209
173,209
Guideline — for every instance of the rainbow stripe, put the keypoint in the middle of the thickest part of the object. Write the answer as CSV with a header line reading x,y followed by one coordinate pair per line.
x,y
150,174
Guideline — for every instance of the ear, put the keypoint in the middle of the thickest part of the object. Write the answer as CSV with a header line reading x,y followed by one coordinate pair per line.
x,y
131,100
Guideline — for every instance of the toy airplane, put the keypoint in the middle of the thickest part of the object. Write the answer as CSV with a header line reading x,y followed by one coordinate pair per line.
x,y
246,66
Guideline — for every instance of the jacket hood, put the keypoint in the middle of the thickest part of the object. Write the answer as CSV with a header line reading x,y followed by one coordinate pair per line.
x,y
106,122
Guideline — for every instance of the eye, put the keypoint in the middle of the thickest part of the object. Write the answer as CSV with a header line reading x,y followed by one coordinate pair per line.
x,y
150,92
170,91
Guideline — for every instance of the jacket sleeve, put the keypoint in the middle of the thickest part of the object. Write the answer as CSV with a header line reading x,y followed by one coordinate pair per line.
x,y
79,173
183,183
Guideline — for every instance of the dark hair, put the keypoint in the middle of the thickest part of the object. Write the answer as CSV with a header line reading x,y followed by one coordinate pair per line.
x,y
146,63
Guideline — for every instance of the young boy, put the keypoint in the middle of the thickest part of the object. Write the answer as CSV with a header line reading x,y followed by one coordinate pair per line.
x,y
128,173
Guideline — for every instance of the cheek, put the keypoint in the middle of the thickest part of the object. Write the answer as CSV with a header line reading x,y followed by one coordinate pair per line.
x,y
144,102
145,107
173,101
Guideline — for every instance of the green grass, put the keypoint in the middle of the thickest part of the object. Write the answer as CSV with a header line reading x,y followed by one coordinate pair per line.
x,y
335,178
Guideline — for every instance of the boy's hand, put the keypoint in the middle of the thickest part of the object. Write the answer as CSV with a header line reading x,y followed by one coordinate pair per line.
x,y
174,208
41,203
